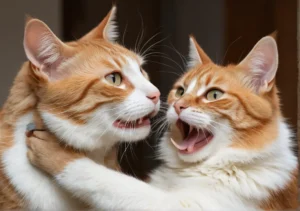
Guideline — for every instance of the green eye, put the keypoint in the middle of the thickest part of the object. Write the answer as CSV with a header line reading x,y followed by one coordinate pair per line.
x,y
214,94
114,79
179,92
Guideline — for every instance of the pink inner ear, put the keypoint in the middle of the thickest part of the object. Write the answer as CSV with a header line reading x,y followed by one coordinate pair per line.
x,y
44,49
40,44
262,62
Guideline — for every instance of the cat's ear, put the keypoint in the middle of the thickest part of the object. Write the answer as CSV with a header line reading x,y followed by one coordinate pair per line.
x,y
261,64
107,29
43,49
196,54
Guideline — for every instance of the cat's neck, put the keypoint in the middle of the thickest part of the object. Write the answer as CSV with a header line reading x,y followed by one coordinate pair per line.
x,y
273,139
21,99
239,169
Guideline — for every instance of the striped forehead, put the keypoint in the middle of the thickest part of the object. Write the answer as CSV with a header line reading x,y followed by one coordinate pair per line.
x,y
130,67
132,70
118,62
198,82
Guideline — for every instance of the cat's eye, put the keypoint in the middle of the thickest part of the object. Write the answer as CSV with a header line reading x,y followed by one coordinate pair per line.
x,y
214,94
114,79
179,92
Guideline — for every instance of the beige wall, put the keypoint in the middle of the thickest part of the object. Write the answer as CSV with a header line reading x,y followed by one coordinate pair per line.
x,y
12,16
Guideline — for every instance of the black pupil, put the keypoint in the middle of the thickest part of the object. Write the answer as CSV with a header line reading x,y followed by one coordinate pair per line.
x,y
181,91
113,78
215,95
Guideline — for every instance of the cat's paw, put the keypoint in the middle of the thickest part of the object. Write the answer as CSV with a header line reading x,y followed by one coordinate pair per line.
x,y
46,153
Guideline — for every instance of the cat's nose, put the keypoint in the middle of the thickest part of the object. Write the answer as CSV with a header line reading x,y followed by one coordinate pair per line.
x,y
154,97
179,107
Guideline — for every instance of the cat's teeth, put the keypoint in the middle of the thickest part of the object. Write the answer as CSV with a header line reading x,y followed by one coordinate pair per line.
x,y
191,128
140,121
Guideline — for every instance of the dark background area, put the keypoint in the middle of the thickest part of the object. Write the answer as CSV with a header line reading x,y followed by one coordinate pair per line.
x,y
226,30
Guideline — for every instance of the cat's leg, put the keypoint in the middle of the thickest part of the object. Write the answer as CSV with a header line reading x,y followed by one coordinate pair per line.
x,y
99,186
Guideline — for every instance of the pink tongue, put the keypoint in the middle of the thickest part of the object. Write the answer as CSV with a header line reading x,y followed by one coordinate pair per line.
x,y
189,142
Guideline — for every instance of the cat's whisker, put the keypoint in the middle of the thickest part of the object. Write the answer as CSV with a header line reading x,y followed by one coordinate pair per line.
x,y
126,147
132,151
151,46
161,128
163,56
220,124
130,166
124,34
148,144
105,130
156,53
149,40
158,121
142,35
163,109
230,47
183,59
139,38
175,73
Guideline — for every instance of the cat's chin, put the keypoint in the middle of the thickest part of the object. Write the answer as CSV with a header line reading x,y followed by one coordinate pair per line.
x,y
131,125
133,130
133,134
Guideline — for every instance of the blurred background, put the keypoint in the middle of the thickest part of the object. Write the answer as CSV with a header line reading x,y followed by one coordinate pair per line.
x,y
226,30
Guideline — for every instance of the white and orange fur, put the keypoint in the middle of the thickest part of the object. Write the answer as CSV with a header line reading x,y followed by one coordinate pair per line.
x,y
64,88
248,164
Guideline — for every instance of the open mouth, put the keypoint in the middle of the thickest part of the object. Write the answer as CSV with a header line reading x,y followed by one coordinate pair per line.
x,y
138,123
193,139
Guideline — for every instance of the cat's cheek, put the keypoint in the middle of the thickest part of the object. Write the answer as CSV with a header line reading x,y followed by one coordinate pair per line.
x,y
156,109
172,116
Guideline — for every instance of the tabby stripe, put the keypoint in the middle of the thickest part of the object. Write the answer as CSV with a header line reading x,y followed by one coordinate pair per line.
x,y
73,116
208,79
92,108
85,91
247,110
108,64
118,63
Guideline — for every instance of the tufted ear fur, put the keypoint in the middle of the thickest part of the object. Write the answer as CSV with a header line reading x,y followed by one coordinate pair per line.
x,y
43,49
261,64
107,29
196,54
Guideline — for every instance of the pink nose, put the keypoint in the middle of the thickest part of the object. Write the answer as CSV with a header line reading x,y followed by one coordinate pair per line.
x,y
179,107
154,97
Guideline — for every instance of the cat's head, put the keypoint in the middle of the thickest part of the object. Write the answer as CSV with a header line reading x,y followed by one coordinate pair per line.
x,y
91,91
213,107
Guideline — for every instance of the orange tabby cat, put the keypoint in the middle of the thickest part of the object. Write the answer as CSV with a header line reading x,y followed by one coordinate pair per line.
x,y
228,147
91,88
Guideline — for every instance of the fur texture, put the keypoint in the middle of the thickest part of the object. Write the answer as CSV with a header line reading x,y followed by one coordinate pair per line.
x,y
73,90
247,162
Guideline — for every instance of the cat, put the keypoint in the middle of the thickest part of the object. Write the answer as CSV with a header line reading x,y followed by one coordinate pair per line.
x,y
227,147
90,93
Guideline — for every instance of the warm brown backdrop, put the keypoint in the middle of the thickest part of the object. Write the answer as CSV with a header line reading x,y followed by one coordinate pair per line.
x,y
222,27
226,29
247,21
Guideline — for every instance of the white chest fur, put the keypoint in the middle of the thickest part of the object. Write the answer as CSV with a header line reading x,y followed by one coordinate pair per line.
x,y
232,178
39,190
